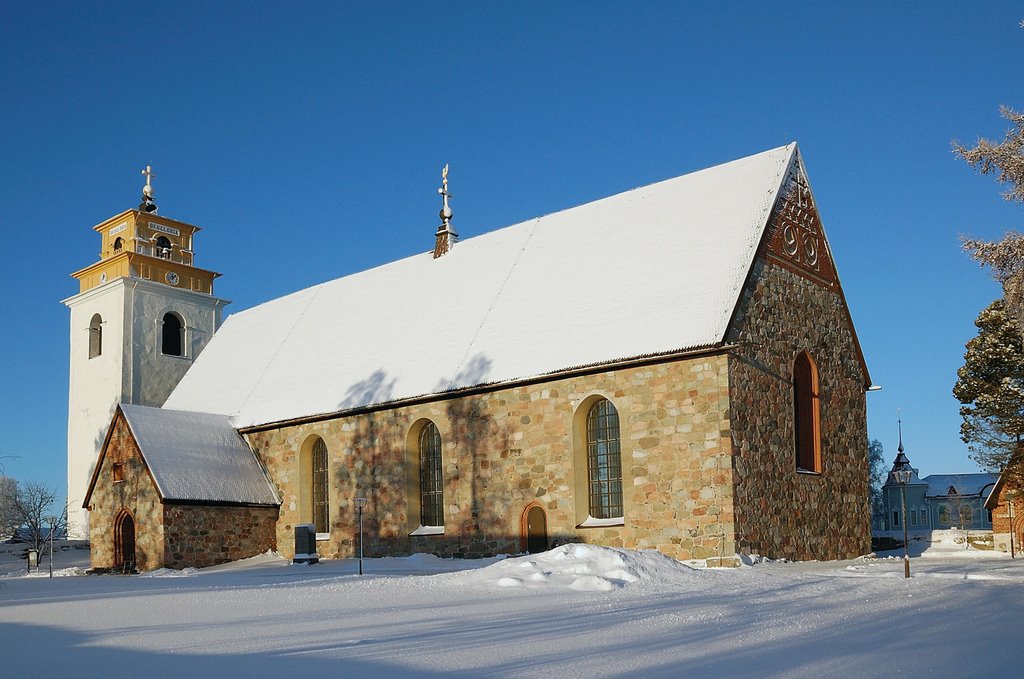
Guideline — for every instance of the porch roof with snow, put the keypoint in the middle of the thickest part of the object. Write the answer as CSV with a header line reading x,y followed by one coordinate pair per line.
x,y
195,458
653,271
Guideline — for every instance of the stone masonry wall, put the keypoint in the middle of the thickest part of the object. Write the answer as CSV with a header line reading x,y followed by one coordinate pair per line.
x,y
504,449
781,512
200,536
136,492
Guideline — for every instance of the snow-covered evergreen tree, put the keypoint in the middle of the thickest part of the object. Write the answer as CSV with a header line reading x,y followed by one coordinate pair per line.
x,y
991,387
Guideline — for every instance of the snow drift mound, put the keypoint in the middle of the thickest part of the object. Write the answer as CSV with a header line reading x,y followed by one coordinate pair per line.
x,y
584,568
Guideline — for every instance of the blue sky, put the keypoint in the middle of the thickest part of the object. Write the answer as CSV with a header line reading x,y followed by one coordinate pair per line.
x,y
307,139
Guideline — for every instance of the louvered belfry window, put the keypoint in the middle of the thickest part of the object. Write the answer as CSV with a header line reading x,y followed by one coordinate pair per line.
x,y
431,477
604,461
321,505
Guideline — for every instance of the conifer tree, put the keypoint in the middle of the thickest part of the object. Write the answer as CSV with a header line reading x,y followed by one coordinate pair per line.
x,y
991,387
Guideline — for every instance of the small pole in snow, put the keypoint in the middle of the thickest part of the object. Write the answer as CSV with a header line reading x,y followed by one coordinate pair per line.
x,y
53,523
360,502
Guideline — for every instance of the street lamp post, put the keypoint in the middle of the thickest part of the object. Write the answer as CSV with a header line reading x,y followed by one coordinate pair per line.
x,y
360,502
902,473
903,477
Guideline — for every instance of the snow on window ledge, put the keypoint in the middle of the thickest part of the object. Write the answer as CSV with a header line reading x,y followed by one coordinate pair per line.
x,y
320,537
591,522
807,472
428,530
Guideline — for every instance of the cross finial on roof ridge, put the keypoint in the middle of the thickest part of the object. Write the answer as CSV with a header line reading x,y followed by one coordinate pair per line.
x,y
445,236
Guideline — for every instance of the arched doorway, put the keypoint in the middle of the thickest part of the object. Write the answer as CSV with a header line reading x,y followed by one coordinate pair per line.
x,y
124,543
534,529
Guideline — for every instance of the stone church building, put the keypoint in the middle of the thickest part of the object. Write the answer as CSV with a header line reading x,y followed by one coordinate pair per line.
x,y
674,367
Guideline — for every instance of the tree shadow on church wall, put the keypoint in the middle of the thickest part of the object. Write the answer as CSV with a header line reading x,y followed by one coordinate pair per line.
x,y
483,501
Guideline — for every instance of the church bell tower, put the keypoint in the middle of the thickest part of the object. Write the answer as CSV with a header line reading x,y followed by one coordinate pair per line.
x,y
142,315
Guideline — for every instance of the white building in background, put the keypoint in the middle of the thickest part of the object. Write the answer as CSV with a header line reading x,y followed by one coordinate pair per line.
x,y
936,502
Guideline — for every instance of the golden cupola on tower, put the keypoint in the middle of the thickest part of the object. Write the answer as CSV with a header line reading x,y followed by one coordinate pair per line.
x,y
138,243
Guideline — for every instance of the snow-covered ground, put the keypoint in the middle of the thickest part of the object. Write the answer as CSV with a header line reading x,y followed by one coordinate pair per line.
x,y
577,611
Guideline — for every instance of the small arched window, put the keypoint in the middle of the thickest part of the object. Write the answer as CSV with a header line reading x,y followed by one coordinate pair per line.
x,y
95,336
319,492
431,477
807,433
118,244
163,247
604,461
173,336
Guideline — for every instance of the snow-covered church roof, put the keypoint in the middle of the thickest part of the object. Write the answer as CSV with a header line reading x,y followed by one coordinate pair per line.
x,y
654,270
197,457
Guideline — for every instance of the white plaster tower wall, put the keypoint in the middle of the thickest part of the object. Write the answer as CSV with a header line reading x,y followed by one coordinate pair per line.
x,y
131,368
94,388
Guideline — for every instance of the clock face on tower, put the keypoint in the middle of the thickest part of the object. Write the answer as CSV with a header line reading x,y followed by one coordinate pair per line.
x,y
171,278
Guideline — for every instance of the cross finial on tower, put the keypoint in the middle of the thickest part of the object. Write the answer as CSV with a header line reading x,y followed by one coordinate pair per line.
x,y
148,173
445,237
147,204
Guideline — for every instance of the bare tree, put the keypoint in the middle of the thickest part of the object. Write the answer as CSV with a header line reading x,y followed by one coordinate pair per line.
x,y
32,504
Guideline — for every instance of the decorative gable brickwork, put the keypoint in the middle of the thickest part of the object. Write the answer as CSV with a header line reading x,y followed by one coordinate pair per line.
x,y
795,238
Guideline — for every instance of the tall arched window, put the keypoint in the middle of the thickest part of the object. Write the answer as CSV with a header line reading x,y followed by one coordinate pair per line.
x,y
319,493
118,244
431,477
604,461
173,338
95,336
807,432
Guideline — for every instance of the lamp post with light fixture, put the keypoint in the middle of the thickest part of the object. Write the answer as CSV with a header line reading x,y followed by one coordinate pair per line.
x,y
360,502
902,473
903,477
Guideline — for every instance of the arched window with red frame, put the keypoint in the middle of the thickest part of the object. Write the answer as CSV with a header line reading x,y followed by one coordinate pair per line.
x,y
806,424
